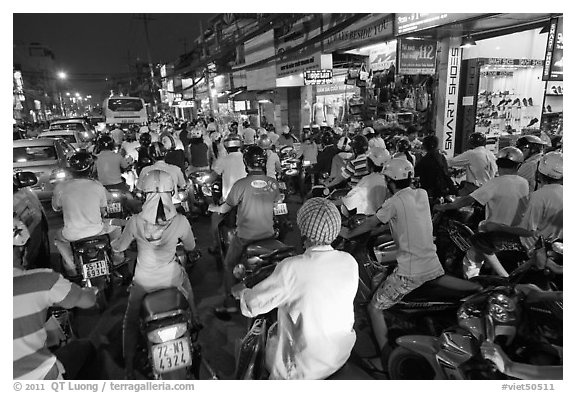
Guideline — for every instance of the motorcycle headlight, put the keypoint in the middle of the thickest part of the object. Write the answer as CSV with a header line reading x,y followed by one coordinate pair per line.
x,y
167,333
116,195
181,195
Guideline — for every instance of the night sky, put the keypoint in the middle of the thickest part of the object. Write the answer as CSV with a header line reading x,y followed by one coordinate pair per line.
x,y
99,44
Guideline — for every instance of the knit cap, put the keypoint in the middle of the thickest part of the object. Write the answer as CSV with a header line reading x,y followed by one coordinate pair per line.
x,y
319,220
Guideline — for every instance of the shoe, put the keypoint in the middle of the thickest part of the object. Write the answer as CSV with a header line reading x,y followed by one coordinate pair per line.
x,y
530,101
549,108
516,101
554,90
524,101
501,103
533,121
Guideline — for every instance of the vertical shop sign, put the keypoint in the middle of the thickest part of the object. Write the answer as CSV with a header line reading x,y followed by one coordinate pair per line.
x,y
451,103
550,49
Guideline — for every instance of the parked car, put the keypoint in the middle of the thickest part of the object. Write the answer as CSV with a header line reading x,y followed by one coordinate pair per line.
x,y
76,124
46,158
28,209
78,139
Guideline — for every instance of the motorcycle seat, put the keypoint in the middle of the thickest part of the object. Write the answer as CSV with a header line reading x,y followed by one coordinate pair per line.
x,y
98,241
264,246
443,288
163,301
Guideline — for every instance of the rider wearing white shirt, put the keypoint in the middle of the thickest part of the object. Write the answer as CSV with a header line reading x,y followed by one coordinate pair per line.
x,y
479,162
314,293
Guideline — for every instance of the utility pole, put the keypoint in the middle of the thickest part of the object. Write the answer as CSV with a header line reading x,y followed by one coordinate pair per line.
x,y
206,69
145,18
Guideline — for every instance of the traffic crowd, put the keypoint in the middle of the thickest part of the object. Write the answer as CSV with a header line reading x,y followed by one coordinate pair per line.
x,y
395,178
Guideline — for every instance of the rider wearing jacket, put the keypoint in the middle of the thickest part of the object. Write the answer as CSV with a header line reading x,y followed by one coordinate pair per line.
x,y
255,196
157,230
532,148
83,202
314,293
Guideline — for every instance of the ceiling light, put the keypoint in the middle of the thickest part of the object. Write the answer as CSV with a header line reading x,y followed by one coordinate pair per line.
x,y
467,42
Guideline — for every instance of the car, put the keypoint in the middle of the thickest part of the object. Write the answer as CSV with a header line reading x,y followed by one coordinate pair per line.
x,y
76,124
28,209
78,139
46,158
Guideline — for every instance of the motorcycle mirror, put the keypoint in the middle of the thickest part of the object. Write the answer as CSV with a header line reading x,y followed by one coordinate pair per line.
x,y
239,271
558,247
26,179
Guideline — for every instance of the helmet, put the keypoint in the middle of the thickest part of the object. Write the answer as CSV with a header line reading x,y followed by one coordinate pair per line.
x,y
551,165
264,142
168,142
255,157
215,136
477,139
403,145
531,142
20,234
327,138
80,162
145,139
196,133
398,169
319,220
344,144
157,151
106,142
338,131
233,126
262,131
511,153
285,130
379,156
430,142
359,144
156,181
368,131
232,140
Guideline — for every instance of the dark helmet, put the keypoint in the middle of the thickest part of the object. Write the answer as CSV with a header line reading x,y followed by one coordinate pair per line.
x,y
81,162
106,143
157,151
403,145
430,142
145,139
255,157
327,138
359,144
477,139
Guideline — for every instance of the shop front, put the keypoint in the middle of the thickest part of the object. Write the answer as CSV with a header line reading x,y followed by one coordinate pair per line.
x,y
490,73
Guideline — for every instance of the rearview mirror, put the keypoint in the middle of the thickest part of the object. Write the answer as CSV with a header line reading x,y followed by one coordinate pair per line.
x,y
25,179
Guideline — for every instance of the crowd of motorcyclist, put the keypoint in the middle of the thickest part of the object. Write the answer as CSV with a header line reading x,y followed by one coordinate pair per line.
x,y
393,175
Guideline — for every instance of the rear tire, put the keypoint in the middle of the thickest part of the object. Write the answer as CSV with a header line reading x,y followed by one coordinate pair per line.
x,y
405,364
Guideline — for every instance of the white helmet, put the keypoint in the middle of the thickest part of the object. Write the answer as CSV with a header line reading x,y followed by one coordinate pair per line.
x,y
338,131
20,234
398,169
196,133
156,181
262,131
368,131
379,156
285,129
551,165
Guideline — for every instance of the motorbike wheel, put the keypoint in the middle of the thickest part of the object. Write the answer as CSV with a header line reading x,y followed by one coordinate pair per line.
x,y
405,364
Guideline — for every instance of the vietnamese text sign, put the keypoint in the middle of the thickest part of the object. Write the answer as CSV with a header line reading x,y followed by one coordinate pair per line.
x,y
318,77
451,101
408,23
416,57
515,62
374,27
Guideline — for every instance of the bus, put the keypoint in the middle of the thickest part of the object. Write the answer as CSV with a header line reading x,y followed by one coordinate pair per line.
x,y
124,110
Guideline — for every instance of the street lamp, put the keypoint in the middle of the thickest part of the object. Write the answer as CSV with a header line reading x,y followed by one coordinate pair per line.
x,y
62,76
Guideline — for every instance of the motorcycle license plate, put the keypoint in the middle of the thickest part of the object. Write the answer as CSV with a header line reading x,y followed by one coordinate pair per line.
x,y
185,206
293,165
95,269
282,185
115,207
171,355
280,209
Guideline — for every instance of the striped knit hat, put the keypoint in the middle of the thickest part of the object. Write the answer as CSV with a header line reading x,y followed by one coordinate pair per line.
x,y
319,220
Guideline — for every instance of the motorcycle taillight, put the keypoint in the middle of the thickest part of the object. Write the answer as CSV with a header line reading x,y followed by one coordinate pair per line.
x,y
167,333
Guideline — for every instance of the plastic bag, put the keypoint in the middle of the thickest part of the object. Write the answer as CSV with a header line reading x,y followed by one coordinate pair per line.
x,y
250,364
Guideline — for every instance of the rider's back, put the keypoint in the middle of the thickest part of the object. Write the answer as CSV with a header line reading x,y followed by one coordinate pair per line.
x,y
81,200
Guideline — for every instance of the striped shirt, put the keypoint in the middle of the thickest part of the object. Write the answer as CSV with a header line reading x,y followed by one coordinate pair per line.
x,y
355,169
34,291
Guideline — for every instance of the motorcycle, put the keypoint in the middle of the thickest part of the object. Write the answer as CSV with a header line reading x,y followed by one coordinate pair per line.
x,y
117,207
291,168
528,332
168,347
201,181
